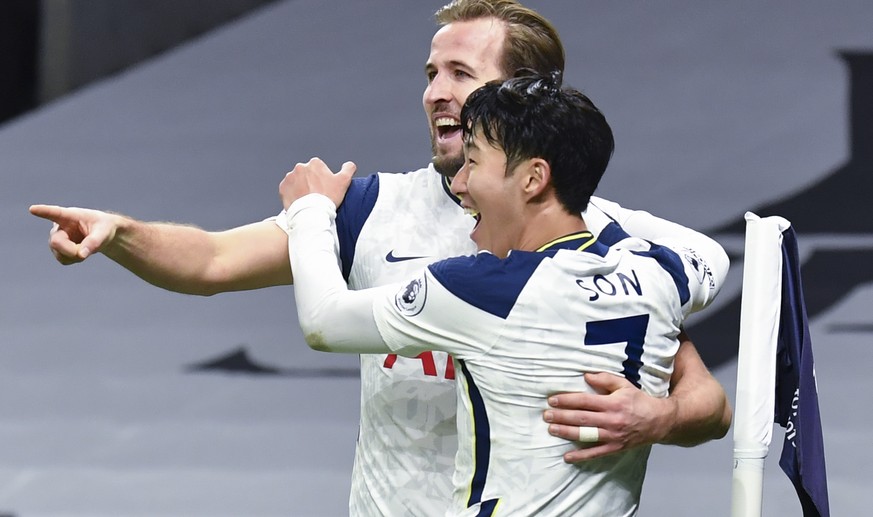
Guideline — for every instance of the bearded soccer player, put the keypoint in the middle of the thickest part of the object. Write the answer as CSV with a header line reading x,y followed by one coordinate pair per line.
x,y
391,225
542,300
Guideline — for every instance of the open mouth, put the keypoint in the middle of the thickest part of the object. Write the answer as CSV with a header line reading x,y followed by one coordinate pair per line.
x,y
447,127
474,214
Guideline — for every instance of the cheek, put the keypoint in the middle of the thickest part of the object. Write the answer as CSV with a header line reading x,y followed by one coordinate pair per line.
x,y
464,92
511,199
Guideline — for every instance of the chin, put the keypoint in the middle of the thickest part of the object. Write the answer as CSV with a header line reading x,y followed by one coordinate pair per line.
x,y
482,243
447,165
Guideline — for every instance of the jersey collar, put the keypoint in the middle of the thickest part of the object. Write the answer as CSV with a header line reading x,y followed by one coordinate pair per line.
x,y
447,187
579,241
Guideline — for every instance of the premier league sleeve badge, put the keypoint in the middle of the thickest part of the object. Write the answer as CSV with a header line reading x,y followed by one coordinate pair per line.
x,y
410,299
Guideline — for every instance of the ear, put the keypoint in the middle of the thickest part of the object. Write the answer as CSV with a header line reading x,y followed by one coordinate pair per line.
x,y
538,178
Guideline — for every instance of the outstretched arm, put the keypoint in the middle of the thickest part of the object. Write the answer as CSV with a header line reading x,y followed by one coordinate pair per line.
x,y
175,257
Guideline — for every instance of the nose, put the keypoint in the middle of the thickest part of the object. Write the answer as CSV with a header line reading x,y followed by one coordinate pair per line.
x,y
459,182
437,91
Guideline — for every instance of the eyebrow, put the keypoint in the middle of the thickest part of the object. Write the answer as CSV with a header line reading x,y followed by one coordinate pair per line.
x,y
453,63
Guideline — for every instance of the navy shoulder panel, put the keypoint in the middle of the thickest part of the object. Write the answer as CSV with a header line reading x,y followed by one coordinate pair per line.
x,y
487,282
612,233
671,262
668,259
352,214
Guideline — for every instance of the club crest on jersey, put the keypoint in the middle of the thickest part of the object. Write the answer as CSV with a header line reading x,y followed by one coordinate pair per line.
x,y
704,274
410,299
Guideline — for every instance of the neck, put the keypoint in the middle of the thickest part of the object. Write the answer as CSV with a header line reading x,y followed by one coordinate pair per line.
x,y
547,224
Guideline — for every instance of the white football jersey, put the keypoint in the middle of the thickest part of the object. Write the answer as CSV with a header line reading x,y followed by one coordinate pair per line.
x,y
389,227
523,328
408,438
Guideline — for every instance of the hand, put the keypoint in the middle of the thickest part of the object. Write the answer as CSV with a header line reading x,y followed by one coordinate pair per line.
x,y
315,177
624,416
77,233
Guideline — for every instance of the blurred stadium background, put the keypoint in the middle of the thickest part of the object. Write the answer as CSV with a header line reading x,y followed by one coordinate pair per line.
x,y
120,399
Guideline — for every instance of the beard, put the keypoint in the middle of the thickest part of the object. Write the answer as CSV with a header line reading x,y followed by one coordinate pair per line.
x,y
447,165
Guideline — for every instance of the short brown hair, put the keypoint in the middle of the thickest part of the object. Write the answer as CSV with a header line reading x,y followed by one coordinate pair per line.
x,y
532,42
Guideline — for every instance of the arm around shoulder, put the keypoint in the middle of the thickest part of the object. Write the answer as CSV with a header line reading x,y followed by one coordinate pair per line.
x,y
696,411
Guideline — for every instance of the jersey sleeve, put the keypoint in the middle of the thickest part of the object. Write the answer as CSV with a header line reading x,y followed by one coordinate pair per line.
x,y
694,283
350,217
333,318
408,318
704,259
430,313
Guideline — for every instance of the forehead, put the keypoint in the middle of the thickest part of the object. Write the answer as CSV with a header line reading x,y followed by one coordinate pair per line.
x,y
475,43
476,142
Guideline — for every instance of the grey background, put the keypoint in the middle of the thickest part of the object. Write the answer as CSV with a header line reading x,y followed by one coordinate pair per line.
x,y
717,109
81,41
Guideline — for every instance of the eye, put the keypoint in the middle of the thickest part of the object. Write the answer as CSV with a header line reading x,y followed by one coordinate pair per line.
x,y
461,74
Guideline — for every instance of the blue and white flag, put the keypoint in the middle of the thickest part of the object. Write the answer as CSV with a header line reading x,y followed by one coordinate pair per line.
x,y
796,407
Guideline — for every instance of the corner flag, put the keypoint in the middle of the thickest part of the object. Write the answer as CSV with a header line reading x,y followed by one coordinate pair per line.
x,y
775,375
796,407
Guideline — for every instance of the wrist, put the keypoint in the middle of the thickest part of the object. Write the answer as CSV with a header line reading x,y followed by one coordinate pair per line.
x,y
670,420
312,200
119,238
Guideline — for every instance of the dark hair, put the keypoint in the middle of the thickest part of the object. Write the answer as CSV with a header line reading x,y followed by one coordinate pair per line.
x,y
531,40
534,117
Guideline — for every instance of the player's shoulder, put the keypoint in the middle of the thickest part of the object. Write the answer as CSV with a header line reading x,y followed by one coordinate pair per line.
x,y
369,186
362,187
635,249
401,179
413,188
486,281
602,203
365,193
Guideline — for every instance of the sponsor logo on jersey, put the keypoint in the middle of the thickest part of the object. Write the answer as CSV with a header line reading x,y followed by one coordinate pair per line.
x,y
391,257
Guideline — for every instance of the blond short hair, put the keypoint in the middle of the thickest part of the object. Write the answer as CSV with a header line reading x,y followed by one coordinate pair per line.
x,y
532,42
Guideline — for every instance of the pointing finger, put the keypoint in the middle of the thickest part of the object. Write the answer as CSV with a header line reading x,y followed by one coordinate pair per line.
x,y
50,212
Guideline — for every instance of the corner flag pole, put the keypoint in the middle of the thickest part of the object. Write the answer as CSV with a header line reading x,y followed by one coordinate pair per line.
x,y
756,360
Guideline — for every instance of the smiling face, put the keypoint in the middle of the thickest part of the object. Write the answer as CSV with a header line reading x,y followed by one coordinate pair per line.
x,y
463,56
493,195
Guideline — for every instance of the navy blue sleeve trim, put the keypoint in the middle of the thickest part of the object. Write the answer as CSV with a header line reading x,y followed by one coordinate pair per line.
x,y
612,233
351,216
668,259
486,282
671,262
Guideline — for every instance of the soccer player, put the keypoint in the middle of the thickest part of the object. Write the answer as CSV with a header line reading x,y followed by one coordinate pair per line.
x,y
542,301
391,225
